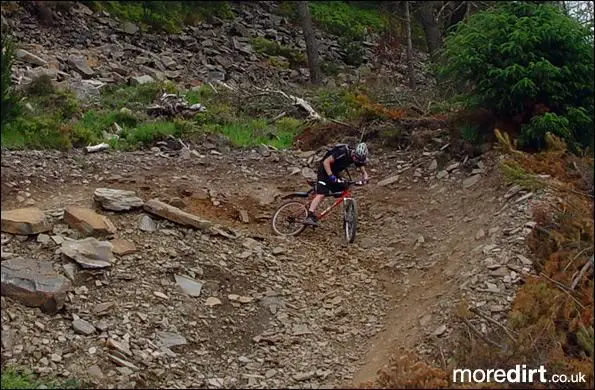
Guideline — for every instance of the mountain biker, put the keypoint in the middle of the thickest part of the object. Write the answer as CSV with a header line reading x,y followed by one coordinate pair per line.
x,y
334,162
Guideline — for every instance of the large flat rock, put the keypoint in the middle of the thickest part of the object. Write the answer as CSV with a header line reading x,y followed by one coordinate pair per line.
x,y
176,215
88,222
30,220
34,283
89,252
117,200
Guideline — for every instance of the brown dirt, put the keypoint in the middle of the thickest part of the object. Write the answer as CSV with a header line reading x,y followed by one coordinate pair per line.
x,y
384,268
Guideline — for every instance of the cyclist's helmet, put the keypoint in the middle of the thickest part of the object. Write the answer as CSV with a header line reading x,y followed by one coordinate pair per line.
x,y
361,151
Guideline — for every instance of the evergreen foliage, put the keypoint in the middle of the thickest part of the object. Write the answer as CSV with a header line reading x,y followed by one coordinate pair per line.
x,y
526,61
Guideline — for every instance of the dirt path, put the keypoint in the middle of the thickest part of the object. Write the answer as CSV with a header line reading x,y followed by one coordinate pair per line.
x,y
327,314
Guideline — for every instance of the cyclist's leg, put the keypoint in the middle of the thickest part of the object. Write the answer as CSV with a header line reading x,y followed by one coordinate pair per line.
x,y
321,191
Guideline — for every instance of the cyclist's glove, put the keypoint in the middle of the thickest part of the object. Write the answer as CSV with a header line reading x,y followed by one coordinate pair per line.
x,y
332,178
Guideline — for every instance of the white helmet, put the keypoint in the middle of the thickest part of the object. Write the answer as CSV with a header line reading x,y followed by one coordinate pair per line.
x,y
361,151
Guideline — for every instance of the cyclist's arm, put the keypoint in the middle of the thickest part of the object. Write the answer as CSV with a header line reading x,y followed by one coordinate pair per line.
x,y
364,173
327,165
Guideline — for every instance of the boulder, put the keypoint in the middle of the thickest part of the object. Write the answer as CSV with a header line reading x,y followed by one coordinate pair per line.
x,y
80,64
129,28
117,200
89,252
25,56
136,80
88,222
34,283
174,214
25,221
85,90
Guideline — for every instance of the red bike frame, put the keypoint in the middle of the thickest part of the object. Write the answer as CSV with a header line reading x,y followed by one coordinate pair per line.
x,y
345,194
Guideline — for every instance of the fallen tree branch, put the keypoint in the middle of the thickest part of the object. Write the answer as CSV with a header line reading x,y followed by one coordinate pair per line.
x,y
277,117
564,289
343,124
296,101
493,321
480,335
96,148
587,265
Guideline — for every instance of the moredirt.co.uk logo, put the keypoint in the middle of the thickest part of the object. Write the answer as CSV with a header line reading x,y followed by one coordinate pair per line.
x,y
518,374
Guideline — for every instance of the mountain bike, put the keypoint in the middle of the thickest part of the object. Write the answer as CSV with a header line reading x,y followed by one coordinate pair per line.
x,y
289,216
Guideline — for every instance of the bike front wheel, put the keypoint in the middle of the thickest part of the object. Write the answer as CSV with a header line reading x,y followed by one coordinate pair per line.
x,y
350,220
289,217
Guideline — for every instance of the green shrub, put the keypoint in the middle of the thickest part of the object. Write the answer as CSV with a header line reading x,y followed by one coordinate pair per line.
x,y
342,19
37,132
271,48
9,102
40,86
166,16
336,104
353,51
519,57
471,134
329,68
533,133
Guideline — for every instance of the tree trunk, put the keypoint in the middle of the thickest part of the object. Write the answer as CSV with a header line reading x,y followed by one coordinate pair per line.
x,y
311,43
430,27
410,70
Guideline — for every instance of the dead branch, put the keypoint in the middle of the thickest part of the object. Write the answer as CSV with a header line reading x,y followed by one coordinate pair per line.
x,y
564,289
343,124
213,87
296,101
576,257
587,265
480,335
277,117
493,321
96,148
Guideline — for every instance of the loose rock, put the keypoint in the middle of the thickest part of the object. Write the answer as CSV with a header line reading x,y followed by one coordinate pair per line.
x,y
89,252
25,221
34,283
88,222
117,200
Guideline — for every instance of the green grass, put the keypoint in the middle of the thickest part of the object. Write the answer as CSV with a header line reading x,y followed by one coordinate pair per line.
x,y
37,132
120,96
165,16
20,379
59,122
343,19
254,132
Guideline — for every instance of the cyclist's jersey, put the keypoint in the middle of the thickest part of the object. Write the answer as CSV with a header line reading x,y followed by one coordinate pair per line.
x,y
343,160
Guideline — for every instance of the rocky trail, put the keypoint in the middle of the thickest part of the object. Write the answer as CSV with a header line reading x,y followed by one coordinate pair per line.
x,y
230,304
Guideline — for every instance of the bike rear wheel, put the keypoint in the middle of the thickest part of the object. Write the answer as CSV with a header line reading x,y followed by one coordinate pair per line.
x,y
289,217
350,220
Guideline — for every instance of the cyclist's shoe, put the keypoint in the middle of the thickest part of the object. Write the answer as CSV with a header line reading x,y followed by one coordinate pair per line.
x,y
311,220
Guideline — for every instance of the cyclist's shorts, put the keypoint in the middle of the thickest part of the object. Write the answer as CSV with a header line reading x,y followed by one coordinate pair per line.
x,y
324,187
